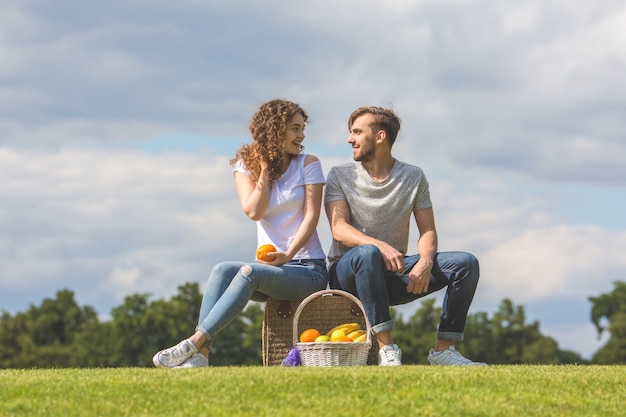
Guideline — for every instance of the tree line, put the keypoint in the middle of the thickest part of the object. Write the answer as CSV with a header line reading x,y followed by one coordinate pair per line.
x,y
59,333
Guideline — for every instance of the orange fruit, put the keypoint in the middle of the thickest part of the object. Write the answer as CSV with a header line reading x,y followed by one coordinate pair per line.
x,y
343,339
309,335
263,250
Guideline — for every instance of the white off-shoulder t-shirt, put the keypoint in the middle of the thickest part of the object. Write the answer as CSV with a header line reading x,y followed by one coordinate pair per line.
x,y
285,211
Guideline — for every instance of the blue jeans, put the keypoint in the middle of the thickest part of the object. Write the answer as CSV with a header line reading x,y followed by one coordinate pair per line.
x,y
232,284
361,271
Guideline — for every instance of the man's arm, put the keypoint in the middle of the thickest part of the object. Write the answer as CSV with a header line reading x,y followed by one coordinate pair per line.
x,y
338,213
419,276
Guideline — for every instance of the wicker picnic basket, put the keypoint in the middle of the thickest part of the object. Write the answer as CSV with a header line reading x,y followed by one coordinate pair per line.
x,y
331,353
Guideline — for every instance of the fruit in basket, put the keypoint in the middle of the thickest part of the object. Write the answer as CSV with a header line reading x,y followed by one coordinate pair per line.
x,y
322,339
343,339
337,334
355,334
362,338
346,327
309,335
263,251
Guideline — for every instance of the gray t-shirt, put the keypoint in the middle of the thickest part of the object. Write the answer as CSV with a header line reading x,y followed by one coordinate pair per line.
x,y
382,210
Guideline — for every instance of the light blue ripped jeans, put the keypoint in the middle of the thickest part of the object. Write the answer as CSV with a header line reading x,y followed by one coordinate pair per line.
x,y
232,284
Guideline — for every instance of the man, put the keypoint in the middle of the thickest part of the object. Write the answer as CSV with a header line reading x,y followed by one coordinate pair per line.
x,y
369,204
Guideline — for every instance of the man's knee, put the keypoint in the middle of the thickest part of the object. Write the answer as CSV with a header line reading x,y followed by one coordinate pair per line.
x,y
369,254
472,264
368,250
468,266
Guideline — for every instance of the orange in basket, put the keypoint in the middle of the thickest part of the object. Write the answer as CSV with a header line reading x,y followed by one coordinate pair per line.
x,y
309,335
343,339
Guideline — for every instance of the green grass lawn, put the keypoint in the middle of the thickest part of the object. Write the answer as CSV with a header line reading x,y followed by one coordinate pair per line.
x,y
522,390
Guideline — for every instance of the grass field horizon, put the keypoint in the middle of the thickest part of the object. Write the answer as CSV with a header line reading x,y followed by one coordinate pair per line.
x,y
411,390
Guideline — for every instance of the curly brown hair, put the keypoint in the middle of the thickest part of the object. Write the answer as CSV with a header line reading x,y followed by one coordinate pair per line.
x,y
268,127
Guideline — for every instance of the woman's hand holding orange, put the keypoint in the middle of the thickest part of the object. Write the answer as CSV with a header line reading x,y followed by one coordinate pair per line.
x,y
280,258
268,254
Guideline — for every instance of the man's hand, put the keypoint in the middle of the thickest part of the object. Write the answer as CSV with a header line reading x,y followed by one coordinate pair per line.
x,y
419,276
394,260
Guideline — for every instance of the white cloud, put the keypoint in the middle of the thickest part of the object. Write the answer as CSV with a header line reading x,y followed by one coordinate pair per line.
x,y
552,262
74,218
123,280
527,252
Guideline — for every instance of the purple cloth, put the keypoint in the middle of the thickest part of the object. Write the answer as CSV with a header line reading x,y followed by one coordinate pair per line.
x,y
292,359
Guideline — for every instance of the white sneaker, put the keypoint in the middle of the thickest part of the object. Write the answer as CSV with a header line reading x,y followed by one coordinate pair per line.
x,y
174,356
451,356
197,360
390,355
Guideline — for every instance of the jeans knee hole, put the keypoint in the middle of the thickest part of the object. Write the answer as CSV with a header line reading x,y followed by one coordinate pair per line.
x,y
246,270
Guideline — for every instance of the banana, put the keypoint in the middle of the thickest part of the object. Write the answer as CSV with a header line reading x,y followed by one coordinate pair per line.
x,y
362,338
358,332
350,327
346,327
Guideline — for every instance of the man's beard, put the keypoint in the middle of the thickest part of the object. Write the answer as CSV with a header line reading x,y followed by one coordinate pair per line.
x,y
366,156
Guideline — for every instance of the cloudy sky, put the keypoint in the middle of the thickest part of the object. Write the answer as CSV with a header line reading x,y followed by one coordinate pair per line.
x,y
117,120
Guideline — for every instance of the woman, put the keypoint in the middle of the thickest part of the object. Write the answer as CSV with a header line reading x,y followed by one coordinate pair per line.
x,y
281,189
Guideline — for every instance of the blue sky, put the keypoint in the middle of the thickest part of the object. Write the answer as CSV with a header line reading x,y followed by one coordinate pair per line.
x,y
117,121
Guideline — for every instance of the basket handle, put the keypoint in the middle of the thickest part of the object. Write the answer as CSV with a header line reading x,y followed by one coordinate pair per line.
x,y
322,293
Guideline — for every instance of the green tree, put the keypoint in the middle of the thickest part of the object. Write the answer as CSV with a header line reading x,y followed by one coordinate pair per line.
x,y
43,337
130,334
140,328
540,349
479,339
57,320
59,333
608,312
508,339
571,357
16,345
240,343
93,346
518,342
